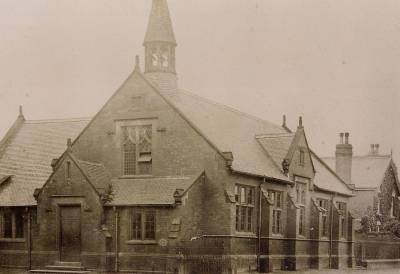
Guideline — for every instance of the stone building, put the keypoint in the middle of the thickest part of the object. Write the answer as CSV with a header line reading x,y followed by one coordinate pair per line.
x,y
373,177
162,180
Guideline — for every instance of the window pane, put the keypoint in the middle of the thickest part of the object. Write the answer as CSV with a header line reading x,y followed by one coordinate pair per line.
x,y
129,158
237,218
19,224
274,222
278,221
242,195
150,226
301,221
242,218
250,194
137,226
7,221
249,219
236,193
278,199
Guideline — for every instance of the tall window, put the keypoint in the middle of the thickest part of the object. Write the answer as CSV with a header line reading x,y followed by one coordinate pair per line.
x,y
301,157
12,224
68,170
342,218
301,201
244,196
276,197
143,225
323,203
136,149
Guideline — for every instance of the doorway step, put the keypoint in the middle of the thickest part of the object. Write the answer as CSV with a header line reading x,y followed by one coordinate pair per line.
x,y
62,268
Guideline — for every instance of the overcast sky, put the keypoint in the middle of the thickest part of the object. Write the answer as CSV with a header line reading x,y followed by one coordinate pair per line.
x,y
335,62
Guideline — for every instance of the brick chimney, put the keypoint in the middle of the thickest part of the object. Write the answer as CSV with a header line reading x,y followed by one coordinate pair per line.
x,y
344,157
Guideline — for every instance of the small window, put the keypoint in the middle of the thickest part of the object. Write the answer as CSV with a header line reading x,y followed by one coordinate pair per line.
x,y
301,220
143,225
68,170
301,160
13,224
244,196
276,197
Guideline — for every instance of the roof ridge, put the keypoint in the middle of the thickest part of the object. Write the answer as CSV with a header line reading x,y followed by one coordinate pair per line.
x,y
57,120
271,135
88,162
229,108
380,156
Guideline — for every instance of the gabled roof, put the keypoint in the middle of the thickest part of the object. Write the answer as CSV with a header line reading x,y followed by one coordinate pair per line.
x,y
326,179
150,191
159,28
276,145
227,129
27,156
367,171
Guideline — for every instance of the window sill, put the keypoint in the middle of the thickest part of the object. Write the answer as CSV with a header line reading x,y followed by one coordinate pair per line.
x,y
245,234
136,176
139,242
12,240
277,235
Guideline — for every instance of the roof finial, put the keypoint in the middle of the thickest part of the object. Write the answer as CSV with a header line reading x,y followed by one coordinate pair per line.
x,y
21,112
300,122
137,63
69,145
284,120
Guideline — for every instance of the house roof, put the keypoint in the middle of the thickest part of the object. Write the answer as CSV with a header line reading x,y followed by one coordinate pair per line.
x,y
159,28
276,145
228,129
150,191
27,156
367,171
326,179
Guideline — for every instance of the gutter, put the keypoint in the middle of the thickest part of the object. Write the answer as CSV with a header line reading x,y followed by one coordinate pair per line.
x,y
262,177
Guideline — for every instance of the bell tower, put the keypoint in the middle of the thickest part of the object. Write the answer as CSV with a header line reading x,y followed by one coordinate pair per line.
x,y
160,43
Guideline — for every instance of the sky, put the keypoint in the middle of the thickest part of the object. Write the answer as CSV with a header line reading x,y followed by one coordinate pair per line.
x,y
333,62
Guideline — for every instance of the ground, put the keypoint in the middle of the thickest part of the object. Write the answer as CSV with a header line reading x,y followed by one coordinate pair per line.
x,y
351,271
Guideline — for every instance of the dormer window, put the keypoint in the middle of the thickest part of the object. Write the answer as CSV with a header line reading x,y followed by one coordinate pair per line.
x,y
137,149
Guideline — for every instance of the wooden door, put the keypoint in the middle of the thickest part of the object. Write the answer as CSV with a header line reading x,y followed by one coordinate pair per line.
x,y
70,233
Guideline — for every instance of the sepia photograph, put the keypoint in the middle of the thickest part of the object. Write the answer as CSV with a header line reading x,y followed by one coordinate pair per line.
x,y
199,136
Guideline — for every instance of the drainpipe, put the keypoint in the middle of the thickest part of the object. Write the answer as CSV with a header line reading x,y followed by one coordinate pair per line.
x,y
116,267
259,223
29,247
331,232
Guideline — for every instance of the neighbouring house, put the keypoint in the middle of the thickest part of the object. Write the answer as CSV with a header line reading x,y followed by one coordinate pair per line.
x,y
373,177
162,180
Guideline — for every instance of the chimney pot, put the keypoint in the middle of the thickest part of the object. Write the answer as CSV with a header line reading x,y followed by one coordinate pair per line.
x,y
284,121
346,135
376,149
341,137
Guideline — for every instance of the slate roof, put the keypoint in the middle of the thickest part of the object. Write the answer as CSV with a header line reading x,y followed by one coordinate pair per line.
x,y
367,171
229,130
27,156
160,25
276,146
97,174
150,191
326,179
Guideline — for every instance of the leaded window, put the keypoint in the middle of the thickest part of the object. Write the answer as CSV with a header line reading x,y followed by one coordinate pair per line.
x,y
137,150
12,224
342,218
276,198
244,196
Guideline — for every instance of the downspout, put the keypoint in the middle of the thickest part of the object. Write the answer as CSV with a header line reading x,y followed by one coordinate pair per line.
x,y
259,223
29,246
331,232
116,266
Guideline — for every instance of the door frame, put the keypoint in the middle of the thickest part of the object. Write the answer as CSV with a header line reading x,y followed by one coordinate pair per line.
x,y
59,227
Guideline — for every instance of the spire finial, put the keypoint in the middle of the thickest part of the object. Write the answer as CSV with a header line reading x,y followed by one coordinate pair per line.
x,y
300,122
69,145
21,112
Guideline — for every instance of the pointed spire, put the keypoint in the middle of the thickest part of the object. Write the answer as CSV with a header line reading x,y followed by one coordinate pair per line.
x,y
159,28
300,122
